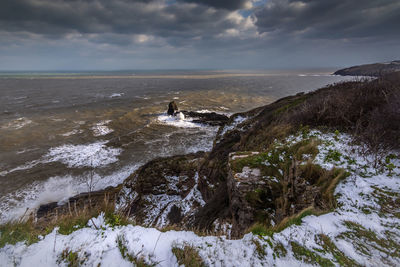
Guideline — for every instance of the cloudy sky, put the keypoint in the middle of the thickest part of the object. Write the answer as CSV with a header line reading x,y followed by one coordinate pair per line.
x,y
178,34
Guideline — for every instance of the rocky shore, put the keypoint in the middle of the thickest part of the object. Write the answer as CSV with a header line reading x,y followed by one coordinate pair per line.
x,y
248,178
311,179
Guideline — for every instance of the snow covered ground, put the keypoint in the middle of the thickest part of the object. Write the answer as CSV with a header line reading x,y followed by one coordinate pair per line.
x,y
363,230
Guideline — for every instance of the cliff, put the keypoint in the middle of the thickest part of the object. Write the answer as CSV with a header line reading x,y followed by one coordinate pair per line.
x,y
375,70
250,177
310,179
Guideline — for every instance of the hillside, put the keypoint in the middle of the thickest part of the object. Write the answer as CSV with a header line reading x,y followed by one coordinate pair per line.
x,y
375,70
309,179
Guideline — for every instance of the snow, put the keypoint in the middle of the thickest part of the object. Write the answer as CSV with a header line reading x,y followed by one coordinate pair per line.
x,y
354,193
159,205
247,172
238,120
100,247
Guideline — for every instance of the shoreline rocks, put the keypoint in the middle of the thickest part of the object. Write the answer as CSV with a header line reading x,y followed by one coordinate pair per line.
x,y
209,118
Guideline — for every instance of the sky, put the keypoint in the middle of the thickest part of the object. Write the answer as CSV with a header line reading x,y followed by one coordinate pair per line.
x,y
196,34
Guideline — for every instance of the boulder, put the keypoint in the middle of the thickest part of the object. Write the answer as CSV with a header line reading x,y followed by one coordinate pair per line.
x,y
172,108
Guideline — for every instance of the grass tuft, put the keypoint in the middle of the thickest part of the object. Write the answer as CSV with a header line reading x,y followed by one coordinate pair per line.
x,y
71,258
303,254
260,250
138,260
330,247
188,256
263,230
12,233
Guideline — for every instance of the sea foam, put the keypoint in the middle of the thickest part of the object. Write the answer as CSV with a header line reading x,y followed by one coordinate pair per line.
x,y
178,121
56,189
75,156
101,128
87,155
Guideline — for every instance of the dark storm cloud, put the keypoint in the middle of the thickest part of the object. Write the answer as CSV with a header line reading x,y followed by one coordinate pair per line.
x,y
331,19
195,33
225,4
182,19
117,16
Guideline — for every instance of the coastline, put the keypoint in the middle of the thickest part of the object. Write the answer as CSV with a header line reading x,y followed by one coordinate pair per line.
x,y
250,150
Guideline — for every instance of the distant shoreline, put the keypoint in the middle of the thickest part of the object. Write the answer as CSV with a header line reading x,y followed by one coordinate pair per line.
x,y
167,76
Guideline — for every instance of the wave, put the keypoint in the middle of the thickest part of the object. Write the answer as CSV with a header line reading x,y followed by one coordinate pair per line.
x,y
89,155
101,128
23,202
75,156
17,123
178,121
115,95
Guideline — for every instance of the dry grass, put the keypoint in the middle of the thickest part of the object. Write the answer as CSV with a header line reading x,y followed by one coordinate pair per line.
x,y
368,109
188,256
29,230
296,219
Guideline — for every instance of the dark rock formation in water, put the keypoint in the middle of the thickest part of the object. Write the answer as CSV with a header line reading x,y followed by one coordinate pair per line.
x,y
172,108
375,70
245,179
210,118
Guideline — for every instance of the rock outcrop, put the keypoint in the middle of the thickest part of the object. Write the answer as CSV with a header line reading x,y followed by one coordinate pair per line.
x,y
375,70
209,118
172,108
163,192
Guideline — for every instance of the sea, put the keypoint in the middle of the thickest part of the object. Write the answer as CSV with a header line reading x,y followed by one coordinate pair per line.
x,y
63,133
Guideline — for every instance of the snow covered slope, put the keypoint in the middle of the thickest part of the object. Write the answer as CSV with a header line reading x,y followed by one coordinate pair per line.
x,y
363,230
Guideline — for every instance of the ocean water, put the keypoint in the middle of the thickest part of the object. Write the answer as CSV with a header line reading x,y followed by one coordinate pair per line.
x,y
59,129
